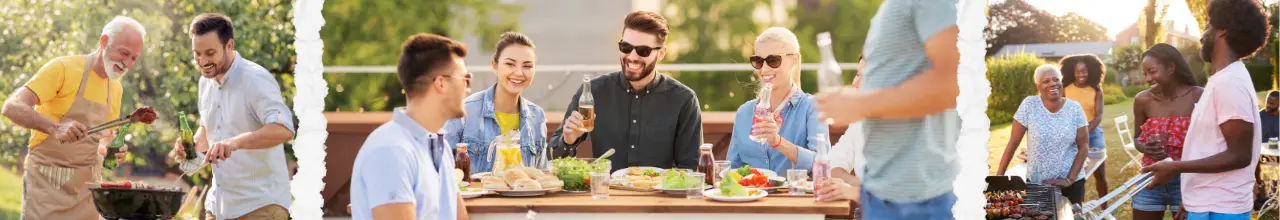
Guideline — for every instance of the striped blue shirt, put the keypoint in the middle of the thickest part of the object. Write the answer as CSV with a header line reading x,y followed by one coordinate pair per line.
x,y
908,160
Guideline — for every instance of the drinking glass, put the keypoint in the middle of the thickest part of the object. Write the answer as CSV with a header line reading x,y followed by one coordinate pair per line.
x,y
720,166
796,179
599,185
695,190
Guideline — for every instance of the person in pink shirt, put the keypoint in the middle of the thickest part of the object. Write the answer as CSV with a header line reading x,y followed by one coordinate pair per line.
x,y
1223,142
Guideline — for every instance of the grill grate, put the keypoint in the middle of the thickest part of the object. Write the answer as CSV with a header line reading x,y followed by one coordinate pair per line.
x,y
1042,198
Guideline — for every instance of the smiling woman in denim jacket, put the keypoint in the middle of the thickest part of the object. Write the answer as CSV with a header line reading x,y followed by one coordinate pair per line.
x,y
500,108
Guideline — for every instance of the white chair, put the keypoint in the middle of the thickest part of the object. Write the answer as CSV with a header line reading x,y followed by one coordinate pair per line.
x,y
1126,139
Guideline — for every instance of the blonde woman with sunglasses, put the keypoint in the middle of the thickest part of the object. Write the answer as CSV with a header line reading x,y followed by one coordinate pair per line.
x,y
778,130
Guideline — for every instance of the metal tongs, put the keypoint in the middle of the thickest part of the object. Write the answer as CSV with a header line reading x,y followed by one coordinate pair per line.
x,y
108,125
1126,191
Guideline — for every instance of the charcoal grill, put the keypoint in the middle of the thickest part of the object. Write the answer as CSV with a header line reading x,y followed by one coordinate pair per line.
x,y
139,204
1039,197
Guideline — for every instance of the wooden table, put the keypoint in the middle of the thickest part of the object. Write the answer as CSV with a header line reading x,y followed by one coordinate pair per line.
x,y
649,205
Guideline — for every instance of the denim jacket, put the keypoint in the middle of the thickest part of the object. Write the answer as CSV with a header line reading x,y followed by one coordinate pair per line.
x,y
480,126
800,126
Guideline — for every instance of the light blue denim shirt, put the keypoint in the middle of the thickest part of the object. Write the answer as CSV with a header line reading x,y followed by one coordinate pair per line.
x,y
800,126
402,162
480,126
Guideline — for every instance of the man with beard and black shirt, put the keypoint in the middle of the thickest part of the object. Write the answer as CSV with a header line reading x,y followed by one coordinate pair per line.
x,y
649,119
1224,139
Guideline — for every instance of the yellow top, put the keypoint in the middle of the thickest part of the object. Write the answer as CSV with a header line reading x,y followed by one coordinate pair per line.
x,y
56,85
1085,96
507,122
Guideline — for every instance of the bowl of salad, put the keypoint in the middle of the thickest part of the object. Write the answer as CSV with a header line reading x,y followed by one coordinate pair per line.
x,y
576,173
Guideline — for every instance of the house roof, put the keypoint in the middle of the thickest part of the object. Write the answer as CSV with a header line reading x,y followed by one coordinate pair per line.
x,y
1046,50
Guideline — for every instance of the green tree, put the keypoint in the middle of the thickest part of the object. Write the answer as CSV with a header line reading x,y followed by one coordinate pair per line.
x,y
699,38
1152,23
1072,27
369,32
1126,61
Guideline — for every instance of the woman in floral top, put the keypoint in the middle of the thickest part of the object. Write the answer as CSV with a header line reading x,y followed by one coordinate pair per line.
x,y
1057,136
1163,114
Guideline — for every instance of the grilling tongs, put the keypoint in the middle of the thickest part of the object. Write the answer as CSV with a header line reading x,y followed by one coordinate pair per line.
x,y
1130,188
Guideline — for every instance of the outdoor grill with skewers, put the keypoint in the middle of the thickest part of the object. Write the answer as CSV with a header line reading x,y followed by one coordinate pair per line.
x,y
1010,197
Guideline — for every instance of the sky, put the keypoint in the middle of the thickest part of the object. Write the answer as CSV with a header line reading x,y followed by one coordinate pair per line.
x,y
1116,15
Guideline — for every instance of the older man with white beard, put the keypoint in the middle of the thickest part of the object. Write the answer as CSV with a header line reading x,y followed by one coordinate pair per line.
x,y
68,94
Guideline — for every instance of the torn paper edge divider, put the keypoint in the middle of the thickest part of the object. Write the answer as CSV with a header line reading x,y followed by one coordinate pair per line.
x,y
308,105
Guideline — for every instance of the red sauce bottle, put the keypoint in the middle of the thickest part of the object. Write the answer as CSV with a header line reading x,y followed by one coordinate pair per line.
x,y
706,163
462,160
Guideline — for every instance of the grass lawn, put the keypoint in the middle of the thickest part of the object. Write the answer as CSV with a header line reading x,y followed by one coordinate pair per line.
x,y
10,194
1116,157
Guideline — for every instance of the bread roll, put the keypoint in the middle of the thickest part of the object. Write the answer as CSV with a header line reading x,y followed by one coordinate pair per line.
x,y
526,184
644,183
634,171
493,182
551,183
532,171
510,176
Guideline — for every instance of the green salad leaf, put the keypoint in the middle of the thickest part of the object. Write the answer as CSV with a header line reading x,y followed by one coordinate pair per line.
x,y
728,187
744,170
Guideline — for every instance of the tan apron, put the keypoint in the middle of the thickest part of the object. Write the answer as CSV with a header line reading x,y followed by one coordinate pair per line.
x,y
54,184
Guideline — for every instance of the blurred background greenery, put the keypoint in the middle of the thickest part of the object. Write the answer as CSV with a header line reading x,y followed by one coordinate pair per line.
x,y
369,33
165,77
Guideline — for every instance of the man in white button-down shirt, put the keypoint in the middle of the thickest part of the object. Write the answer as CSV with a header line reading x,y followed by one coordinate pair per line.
x,y
243,126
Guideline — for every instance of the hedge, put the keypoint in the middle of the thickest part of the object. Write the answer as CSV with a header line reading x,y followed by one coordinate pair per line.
x,y
1112,94
1011,81
1262,76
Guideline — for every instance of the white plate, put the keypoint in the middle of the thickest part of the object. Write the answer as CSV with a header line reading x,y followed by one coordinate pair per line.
x,y
522,193
681,191
714,194
766,172
623,172
473,194
476,176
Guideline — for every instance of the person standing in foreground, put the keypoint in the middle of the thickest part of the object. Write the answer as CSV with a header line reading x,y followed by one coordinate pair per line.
x,y
243,126
1162,115
1224,139
649,119
911,160
58,105
405,170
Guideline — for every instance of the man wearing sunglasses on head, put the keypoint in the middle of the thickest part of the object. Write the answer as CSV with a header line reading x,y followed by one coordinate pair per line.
x,y
648,119
906,103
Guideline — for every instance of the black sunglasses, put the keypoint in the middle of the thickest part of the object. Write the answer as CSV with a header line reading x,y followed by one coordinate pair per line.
x,y
774,61
643,51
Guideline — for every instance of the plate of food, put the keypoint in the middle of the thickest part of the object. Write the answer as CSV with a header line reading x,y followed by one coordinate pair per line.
x,y
468,193
730,191
638,177
747,170
746,195
522,182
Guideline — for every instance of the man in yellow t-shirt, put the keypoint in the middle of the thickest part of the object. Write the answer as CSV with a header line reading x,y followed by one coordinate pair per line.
x,y
68,95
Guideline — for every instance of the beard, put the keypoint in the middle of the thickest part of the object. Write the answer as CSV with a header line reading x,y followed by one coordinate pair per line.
x,y
111,66
218,67
1206,50
644,72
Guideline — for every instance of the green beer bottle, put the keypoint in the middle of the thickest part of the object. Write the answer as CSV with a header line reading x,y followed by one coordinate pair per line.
x,y
109,162
188,141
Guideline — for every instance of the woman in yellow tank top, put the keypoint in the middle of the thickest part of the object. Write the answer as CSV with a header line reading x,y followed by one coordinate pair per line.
x,y
1083,83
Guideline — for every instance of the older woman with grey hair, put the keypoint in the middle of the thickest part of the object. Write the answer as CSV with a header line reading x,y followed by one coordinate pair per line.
x,y
1057,135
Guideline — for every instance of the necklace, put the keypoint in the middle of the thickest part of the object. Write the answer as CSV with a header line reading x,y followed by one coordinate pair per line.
x,y
1160,95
